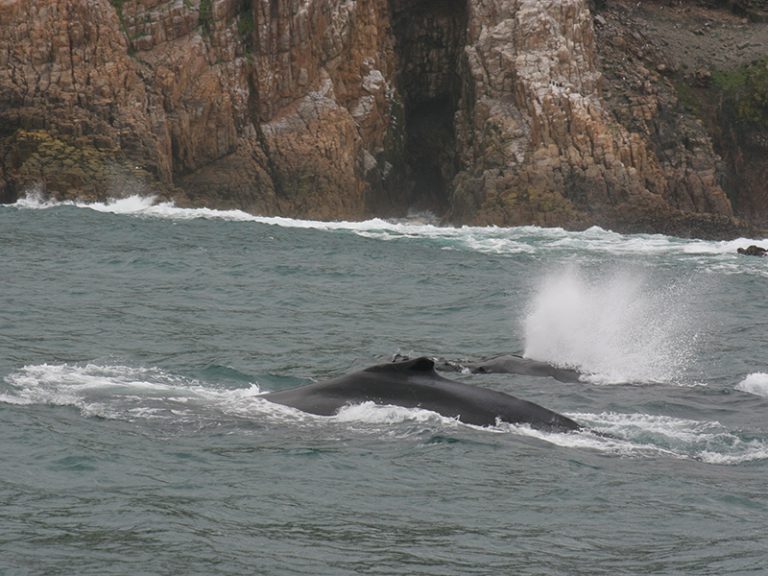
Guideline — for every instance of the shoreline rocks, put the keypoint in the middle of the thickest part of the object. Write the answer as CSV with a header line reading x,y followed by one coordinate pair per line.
x,y
507,112
753,251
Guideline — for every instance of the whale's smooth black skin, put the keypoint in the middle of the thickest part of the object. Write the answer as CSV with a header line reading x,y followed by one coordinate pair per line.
x,y
415,384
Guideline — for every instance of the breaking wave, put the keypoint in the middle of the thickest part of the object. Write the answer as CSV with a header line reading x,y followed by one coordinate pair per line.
x,y
490,239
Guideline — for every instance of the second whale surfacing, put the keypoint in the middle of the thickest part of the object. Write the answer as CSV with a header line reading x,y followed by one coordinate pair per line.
x,y
514,364
415,384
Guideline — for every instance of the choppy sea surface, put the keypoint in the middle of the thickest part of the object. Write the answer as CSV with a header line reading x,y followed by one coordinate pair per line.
x,y
136,340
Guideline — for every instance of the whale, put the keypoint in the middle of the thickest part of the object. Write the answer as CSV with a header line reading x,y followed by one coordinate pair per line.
x,y
414,383
506,364
514,364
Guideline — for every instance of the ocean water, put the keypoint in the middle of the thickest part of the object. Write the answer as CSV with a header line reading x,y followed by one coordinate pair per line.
x,y
136,339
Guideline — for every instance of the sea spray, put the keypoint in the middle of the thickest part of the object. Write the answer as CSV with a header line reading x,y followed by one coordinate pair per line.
x,y
616,327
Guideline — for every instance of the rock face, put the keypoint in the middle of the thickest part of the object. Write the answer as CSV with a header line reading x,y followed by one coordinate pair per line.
x,y
496,112
559,147
271,106
67,83
537,144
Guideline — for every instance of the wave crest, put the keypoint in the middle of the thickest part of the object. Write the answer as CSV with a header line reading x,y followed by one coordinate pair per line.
x,y
755,383
487,240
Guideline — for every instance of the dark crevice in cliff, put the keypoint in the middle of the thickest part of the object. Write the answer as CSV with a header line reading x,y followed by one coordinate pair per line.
x,y
429,39
431,149
8,191
253,107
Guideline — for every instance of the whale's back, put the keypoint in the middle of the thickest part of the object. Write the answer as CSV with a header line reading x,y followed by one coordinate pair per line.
x,y
415,384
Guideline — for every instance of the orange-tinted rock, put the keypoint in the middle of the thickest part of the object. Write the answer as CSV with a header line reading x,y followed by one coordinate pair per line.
x,y
505,112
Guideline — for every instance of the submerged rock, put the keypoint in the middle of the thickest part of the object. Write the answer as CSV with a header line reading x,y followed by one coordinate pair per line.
x,y
753,251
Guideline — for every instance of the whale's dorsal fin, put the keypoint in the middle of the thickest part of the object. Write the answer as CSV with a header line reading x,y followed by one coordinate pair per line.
x,y
420,364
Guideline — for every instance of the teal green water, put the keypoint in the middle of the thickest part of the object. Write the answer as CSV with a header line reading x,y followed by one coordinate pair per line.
x,y
135,341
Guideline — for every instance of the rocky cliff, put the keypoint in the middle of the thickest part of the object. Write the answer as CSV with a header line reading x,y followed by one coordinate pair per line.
x,y
550,112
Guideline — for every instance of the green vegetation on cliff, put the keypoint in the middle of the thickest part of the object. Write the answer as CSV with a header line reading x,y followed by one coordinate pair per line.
x,y
205,18
745,93
37,159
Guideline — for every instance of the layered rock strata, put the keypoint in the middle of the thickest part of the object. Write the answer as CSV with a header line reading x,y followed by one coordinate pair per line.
x,y
496,112
558,150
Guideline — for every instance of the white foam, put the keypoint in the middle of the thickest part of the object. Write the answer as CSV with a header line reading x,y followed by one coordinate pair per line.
x,y
117,391
651,435
149,206
616,328
34,200
755,383
491,240
723,247
372,413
